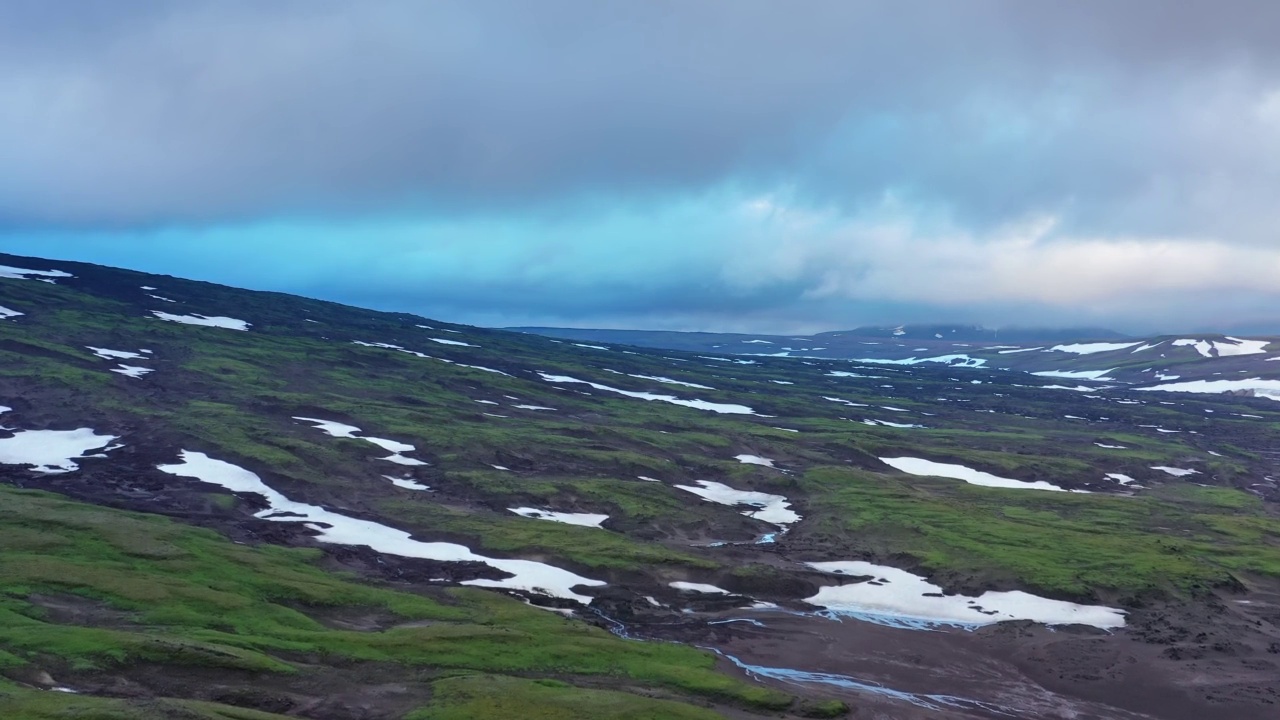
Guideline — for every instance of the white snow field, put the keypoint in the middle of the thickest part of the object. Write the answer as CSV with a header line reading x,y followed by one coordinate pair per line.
x,y
899,597
725,408
952,360
51,451
582,519
339,529
15,273
132,371
1175,471
1091,348
1224,348
415,353
1265,388
920,466
406,483
342,430
1074,374
107,354
698,588
887,423
773,509
668,381
1123,479
207,321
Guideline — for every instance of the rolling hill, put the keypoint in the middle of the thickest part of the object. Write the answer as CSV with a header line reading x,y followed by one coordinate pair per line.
x,y
222,503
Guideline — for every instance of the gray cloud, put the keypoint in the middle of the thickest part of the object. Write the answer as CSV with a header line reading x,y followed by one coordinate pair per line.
x,y
1134,117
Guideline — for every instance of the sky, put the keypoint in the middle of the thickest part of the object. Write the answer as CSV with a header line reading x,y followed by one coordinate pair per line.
x,y
735,165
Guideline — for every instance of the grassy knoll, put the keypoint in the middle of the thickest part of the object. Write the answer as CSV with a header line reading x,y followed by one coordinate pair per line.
x,y
17,701
184,596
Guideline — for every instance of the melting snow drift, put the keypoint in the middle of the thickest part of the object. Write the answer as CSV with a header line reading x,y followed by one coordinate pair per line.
x,y
772,509
339,529
132,371
1269,389
1091,348
207,321
726,408
920,466
337,429
699,588
897,597
582,519
15,273
51,451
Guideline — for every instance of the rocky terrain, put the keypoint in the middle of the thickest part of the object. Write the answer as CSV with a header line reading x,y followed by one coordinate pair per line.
x,y
220,503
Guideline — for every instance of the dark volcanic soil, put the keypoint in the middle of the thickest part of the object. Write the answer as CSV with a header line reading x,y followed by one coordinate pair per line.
x,y
1028,671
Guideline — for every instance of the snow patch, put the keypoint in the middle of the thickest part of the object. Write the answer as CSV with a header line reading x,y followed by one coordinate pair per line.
x,y
581,519
897,597
342,430
886,423
1261,388
929,468
1091,348
699,588
406,483
1075,374
842,401
1175,471
338,529
15,273
132,371
773,509
670,381
1224,348
51,452
106,354
725,408
951,360
207,321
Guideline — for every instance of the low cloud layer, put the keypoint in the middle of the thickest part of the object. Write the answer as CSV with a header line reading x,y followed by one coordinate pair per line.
x,y
686,164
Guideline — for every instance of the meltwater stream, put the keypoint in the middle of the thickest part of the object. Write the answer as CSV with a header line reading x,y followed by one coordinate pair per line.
x,y
806,677
845,682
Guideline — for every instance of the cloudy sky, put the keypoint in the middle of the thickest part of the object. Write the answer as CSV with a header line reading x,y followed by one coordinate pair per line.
x,y
685,164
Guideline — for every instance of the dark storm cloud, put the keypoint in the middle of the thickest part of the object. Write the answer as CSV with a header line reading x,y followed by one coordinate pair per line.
x,y
1132,116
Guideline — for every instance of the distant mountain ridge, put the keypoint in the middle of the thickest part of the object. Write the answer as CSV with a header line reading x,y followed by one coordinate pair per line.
x,y
1073,353
902,332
